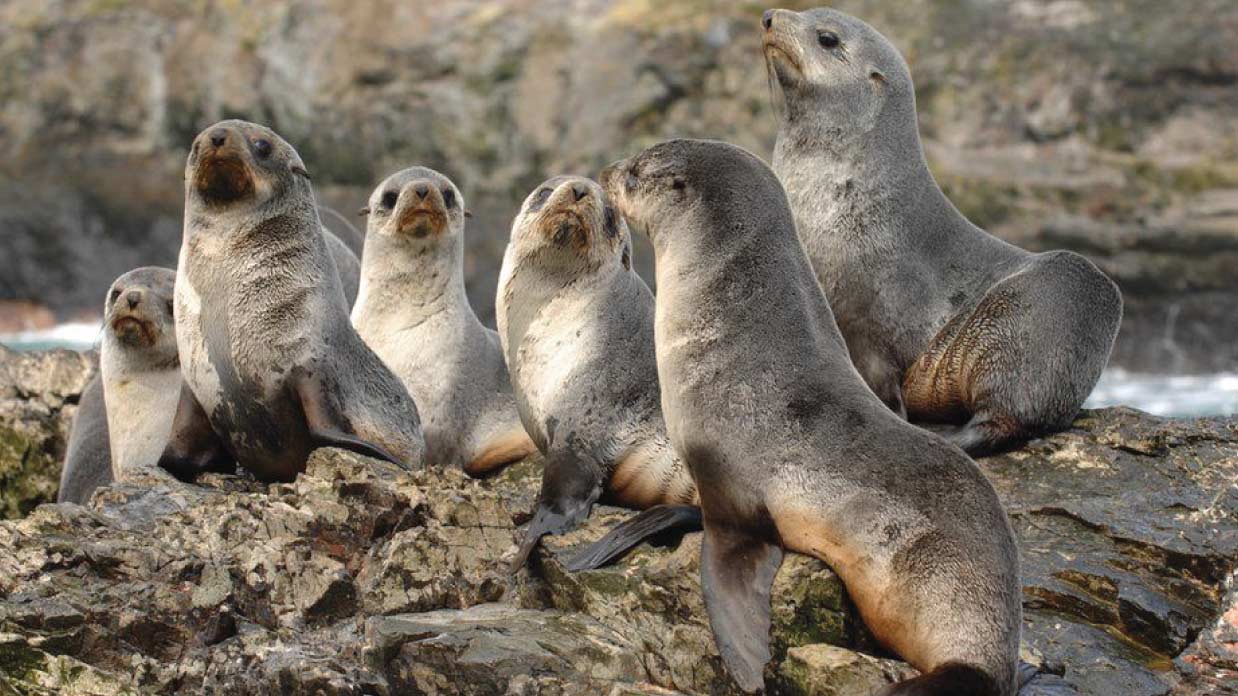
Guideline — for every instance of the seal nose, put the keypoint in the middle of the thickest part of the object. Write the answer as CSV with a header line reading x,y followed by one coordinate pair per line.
x,y
579,191
219,136
422,190
133,297
767,19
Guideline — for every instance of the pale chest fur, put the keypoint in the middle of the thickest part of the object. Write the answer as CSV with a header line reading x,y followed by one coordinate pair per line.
x,y
140,408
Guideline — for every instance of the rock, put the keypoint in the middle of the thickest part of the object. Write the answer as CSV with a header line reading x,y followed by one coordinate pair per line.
x,y
38,396
360,578
1118,114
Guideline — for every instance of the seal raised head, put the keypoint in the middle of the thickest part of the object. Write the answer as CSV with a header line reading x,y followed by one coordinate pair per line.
x,y
272,365
945,322
414,313
577,328
789,448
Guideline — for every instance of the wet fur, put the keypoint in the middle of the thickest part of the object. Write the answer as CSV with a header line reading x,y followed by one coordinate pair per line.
x,y
788,445
945,322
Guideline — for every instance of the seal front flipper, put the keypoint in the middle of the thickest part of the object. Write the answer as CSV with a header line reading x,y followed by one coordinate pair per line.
x,y
737,572
327,424
570,487
633,531
193,447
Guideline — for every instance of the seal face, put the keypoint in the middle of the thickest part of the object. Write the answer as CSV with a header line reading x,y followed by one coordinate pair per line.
x,y
414,313
576,324
789,448
272,366
945,322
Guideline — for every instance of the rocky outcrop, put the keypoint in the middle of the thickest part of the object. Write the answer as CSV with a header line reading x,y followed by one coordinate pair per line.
x,y
1101,126
38,397
360,578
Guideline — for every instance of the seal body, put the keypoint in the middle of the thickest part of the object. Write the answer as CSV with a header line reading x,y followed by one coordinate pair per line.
x,y
789,447
271,362
576,324
88,459
414,313
346,264
945,322
140,368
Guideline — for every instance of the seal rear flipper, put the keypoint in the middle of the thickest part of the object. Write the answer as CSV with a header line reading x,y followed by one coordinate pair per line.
x,y
950,679
737,572
193,447
327,424
570,487
633,531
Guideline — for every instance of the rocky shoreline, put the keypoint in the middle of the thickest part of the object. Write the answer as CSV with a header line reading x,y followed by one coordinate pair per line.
x,y
359,578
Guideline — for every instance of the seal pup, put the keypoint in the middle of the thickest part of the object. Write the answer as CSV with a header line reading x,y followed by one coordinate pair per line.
x,y
576,324
947,323
414,313
273,368
88,458
789,447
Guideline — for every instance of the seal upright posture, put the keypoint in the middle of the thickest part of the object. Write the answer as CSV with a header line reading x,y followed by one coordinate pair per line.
x,y
414,313
789,447
88,459
273,368
576,324
946,323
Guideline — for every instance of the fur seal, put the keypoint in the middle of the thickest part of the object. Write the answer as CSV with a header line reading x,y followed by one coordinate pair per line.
x,y
790,448
576,324
272,366
347,265
88,458
946,322
414,313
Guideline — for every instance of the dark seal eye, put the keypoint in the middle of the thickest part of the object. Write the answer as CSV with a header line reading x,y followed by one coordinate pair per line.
x,y
828,39
539,199
262,148
115,296
449,198
678,184
390,198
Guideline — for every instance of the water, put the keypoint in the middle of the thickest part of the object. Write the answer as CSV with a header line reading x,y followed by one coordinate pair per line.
x,y
1163,395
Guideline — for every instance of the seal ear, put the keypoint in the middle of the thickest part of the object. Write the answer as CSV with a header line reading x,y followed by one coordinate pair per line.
x,y
364,211
298,169
468,214
877,76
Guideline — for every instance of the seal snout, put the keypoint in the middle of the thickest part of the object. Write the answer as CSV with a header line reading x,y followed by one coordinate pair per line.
x,y
222,174
422,210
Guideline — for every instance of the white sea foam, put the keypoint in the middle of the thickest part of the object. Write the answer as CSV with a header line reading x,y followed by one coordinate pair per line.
x,y
74,336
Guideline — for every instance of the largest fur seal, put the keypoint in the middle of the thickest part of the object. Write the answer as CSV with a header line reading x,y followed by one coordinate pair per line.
x,y
272,365
414,313
942,319
788,446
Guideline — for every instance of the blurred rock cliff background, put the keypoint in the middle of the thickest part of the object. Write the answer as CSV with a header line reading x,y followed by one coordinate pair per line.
x,y
1108,127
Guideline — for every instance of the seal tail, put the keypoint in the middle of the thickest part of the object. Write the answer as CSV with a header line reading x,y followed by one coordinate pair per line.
x,y
628,534
950,679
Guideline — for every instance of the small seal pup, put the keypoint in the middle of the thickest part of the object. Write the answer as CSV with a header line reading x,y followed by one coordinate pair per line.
x,y
414,313
789,447
576,324
88,458
946,323
272,366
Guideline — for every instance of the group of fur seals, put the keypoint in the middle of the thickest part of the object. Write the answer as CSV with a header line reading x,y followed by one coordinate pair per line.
x,y
945,322
577,329
763,394
790,449
414,313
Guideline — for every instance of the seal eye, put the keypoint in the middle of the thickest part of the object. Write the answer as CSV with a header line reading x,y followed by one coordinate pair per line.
x,y
539,199
678,184
262,148
828,39
114,296
389,199
449,198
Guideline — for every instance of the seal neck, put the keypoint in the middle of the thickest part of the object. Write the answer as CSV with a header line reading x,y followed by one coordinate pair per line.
x,y
411,280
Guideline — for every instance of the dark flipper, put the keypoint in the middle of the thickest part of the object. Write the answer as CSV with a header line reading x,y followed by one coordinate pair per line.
x,y
950,679
570,487
633,531
984,435
328,425
737,572
193,447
